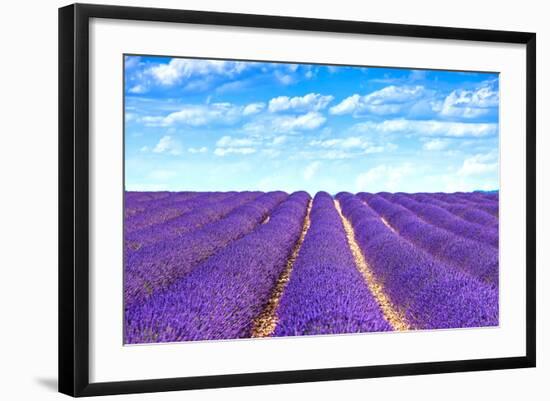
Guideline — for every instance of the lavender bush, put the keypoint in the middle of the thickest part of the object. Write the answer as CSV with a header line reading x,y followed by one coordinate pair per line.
x,y
478,259
213,266
326,293
158,265
444,219
194,214
223,295
430,293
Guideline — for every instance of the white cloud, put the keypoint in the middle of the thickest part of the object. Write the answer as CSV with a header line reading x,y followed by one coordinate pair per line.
x,y
394,94
352,143
233,86
309,102
271,153
227,151
228,141
311,169
197,85
436,144
478,172
138,89
203,149
346,106
479,164
330,154
279,140
253,108
428,128
292,67
178,69
228,145
144,149
198,115
131,61
167,144
389,100
383,178
469,104
266,125
306,121
285,79
417,75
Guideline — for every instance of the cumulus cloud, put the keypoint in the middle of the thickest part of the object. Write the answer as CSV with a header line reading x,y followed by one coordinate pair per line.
x,y
311,169
198,115
253,108
168,144
178,69
477,172
309,102
234,86
436,144
469,103
198,85
394,94
479,164
306,121
383,178
131,61
326,154
229,141
283,124
292,67
285,79
138,89
352,143
346,106
417,75
428,128
227,151
229,145
203,149
279,140
225,113
271,153
389,100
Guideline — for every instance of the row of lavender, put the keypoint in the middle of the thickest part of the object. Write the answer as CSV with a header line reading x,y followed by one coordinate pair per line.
x,y
468,252
326,293
429,292
221,297
156,265
210,276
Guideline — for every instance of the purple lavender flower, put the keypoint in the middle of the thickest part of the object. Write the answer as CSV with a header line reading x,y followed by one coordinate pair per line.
x,y
158,265
429,292
221,297
326,293
478,259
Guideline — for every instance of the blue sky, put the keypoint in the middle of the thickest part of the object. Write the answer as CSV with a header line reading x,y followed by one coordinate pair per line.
x,y
213,125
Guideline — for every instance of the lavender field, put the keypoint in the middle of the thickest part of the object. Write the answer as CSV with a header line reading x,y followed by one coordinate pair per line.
x,y
227,265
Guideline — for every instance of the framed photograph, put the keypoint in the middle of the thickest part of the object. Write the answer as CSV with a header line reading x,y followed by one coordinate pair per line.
x,y
250,199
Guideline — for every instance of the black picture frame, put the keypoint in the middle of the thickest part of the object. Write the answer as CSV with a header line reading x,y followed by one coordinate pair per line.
x,y
74,198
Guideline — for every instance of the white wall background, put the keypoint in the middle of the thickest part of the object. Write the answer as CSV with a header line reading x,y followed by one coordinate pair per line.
x,y
28,201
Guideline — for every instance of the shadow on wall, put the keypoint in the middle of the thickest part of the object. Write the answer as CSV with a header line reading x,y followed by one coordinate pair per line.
x,y
49,383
